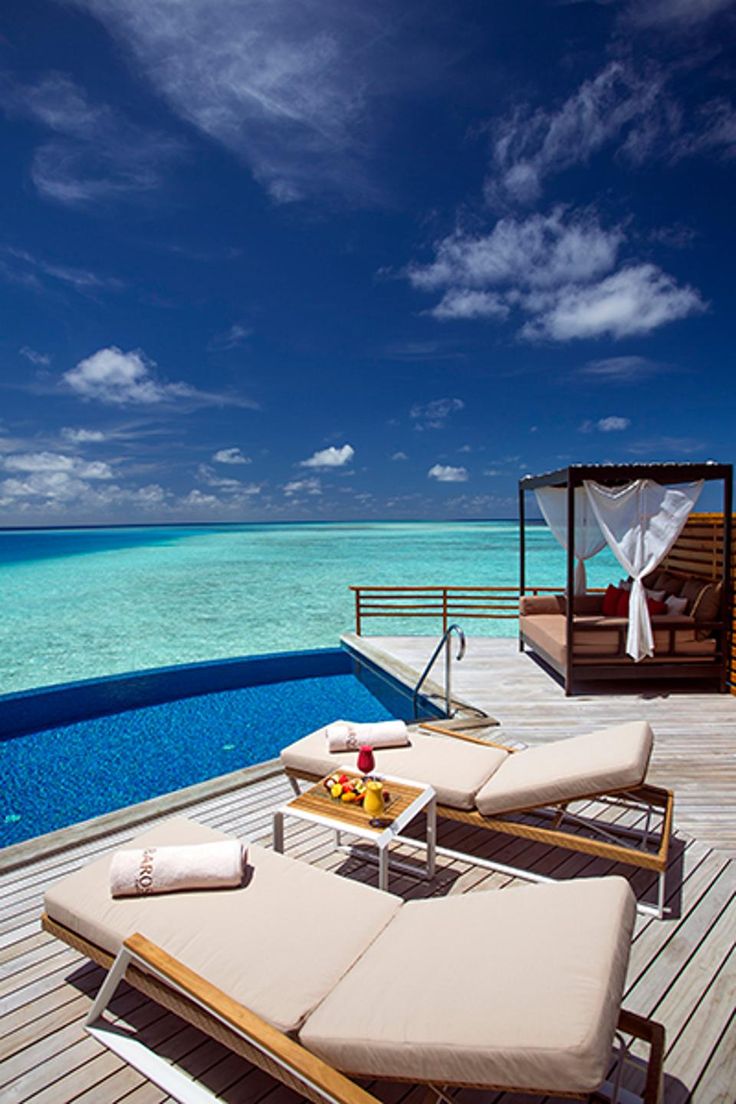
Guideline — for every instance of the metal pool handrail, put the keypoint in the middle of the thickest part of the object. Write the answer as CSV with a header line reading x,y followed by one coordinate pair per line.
x,y
445,641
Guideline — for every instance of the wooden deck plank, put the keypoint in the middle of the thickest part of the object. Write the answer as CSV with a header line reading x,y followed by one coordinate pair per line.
x,y
679,967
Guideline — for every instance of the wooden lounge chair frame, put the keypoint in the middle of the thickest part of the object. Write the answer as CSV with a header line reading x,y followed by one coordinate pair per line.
x,y
165,980
609,845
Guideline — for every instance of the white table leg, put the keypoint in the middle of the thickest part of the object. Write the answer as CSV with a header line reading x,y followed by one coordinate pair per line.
x,y
278,831
383,866
431,837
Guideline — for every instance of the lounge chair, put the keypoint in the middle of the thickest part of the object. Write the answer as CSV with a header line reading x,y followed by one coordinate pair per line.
x,y
318,979
527,793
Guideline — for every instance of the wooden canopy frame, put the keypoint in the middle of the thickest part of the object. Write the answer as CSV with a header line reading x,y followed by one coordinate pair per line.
x,y
571,479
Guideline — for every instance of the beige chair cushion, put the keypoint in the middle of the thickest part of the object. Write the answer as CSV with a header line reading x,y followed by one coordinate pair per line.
x,y
611,759
455,768
519,988
278,944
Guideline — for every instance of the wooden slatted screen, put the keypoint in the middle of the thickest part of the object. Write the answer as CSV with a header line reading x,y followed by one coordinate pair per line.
x,y
699,551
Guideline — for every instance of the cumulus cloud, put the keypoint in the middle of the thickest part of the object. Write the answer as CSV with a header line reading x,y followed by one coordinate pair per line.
x,y
230,486
82,436
303,486
531,145
45,462
541,251
95,154
434,414
633,301
446,473
289,89
230,456
331,457
557,270
116,378
399,456
464,303
613,423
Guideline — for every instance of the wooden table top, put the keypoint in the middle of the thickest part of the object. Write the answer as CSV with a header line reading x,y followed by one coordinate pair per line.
x,y
317,801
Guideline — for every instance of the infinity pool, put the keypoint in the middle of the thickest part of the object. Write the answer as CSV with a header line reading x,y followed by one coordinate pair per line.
x,y
65,773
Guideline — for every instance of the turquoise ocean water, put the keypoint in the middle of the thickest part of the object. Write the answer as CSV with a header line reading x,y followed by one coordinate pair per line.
x,y
80,603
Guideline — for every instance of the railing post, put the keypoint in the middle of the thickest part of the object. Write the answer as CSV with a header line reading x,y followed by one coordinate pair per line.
x,y
444,609
357,611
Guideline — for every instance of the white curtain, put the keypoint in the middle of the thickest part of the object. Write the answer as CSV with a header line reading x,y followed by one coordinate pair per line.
x,y
641,522
589,539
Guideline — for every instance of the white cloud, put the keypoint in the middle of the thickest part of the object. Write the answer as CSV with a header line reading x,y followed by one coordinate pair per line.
x,y
613,423
556,269
620,369
116,378
41,360
95,154
446,473
399,456
82,436
232,338
538,252
303,486
434,414
230,486
331,457
18,266
633,301
464,303
287,87
230,456
54,462
530,145
199,499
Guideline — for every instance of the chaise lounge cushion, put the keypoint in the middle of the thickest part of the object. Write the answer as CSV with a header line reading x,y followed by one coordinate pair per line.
x,y
456,769
279,944
514,989
599,762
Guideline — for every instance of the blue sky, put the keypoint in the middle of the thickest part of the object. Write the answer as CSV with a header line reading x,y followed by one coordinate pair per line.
x,y
293,259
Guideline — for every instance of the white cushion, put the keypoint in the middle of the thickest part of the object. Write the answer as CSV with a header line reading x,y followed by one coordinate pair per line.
x,y
600,762
278,944
515,989
455,768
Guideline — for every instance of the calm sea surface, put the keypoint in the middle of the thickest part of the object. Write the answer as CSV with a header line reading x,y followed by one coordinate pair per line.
x,y
78,603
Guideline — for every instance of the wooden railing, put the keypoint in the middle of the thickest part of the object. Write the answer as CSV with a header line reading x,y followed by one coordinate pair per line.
x,y
445,602
699,551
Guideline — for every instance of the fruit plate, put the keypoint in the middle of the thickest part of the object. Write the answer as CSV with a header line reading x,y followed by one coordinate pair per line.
x,y
351,788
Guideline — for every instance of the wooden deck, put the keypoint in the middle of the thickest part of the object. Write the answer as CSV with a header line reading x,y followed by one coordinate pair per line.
x,y
695,747
682,969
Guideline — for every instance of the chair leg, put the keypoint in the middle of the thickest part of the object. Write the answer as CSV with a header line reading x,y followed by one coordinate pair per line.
x,y
651,1032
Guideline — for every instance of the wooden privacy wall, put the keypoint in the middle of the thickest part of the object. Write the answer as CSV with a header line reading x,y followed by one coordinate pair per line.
x,y
699,551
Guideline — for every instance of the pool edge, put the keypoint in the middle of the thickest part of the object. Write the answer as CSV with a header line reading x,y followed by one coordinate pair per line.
x,y
52,843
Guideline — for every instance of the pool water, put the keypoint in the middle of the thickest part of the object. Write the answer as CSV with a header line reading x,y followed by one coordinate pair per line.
x,y
59,776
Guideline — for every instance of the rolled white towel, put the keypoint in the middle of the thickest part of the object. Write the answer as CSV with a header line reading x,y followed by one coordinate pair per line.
x,y
349,736
137,873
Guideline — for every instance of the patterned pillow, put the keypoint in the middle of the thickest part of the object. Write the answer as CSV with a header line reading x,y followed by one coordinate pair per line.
x,y
707,607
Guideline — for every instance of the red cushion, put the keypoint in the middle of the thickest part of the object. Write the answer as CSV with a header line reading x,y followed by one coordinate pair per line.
x,y
622,606
656,607
610,601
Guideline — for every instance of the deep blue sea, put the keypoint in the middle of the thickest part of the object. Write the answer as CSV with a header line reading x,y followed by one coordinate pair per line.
x,y
78,603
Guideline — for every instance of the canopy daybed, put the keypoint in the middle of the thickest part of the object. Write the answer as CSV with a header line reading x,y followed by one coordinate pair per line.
x,y
639,511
